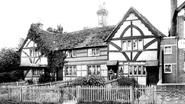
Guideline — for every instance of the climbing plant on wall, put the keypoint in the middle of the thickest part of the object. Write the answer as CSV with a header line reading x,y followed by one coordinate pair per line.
x,y
46,45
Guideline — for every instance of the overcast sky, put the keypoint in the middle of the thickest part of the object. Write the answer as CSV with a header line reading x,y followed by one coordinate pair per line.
x,y
17,15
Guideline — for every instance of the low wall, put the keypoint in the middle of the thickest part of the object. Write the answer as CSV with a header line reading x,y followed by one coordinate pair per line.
x,y
171,92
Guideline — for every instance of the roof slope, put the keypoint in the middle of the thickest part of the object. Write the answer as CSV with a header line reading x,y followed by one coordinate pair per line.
x,y
61,41
145,21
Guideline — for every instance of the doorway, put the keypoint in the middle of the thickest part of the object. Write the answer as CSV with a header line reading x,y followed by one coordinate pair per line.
x,y
152,75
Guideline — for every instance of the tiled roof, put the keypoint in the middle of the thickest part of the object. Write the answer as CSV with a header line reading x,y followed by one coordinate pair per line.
x,y
84,38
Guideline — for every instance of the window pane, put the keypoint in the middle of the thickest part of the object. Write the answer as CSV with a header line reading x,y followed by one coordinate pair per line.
x,y
144,70
130,70
124,45
97,52
135,70
89,70
168,49
89,52
140,44
134,44
98,70
129,47
168,68
139,70
73,53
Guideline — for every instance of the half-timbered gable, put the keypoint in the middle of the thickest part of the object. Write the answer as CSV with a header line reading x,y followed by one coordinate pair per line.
x,y
32,62
134,43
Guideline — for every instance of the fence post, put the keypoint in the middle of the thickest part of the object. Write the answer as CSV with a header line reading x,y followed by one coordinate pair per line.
x,y
20,94
131,95
78,92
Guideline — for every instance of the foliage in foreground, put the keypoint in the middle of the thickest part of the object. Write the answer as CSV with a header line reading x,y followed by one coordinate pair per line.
x,y
126,81
102,102
44,78
92,80
9,60
17,102
10,76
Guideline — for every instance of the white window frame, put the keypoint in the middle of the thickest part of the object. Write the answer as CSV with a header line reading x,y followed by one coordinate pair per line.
x,y
96,69
133,68
165,49
130,43
165,68
94,52
71,53
72,72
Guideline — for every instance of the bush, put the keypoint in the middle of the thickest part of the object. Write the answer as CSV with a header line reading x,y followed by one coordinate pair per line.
x,y
102,102
126,81
10,76
17,102
30,81
92,80
44,78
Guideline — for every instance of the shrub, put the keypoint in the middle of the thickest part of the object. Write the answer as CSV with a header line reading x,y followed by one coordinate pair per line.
x,y
102,102
44,78
30,81
10,76
92,80
126,81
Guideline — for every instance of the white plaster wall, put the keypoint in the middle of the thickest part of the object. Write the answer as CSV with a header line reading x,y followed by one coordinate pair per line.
x,y
148,55
152,46
136,32
146,40
132,16
142,80
145,30
116,56
117,42
127,33
25,62
111,47
125,24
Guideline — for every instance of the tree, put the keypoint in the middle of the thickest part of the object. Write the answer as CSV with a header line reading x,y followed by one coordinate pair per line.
x,y
9,60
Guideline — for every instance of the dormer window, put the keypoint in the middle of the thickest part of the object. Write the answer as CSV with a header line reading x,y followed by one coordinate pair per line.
x,y
94,52
71,53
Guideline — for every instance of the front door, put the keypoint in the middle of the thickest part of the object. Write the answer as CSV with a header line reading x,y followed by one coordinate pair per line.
x,y
152,75
112,72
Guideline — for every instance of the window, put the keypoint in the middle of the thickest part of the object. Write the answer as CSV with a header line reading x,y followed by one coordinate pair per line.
x,y
167,68
136,44
38,71
70,70
93,70
140,44
167,49
137,71
94,52
71,53
120,71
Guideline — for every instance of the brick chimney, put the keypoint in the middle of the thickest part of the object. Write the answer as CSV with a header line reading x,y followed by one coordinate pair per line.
x,y
173,18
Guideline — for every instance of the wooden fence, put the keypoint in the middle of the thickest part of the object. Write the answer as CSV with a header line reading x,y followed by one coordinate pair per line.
x,y
144,94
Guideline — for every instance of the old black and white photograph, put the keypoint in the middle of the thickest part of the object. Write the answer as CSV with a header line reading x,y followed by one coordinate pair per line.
x,y
92,52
